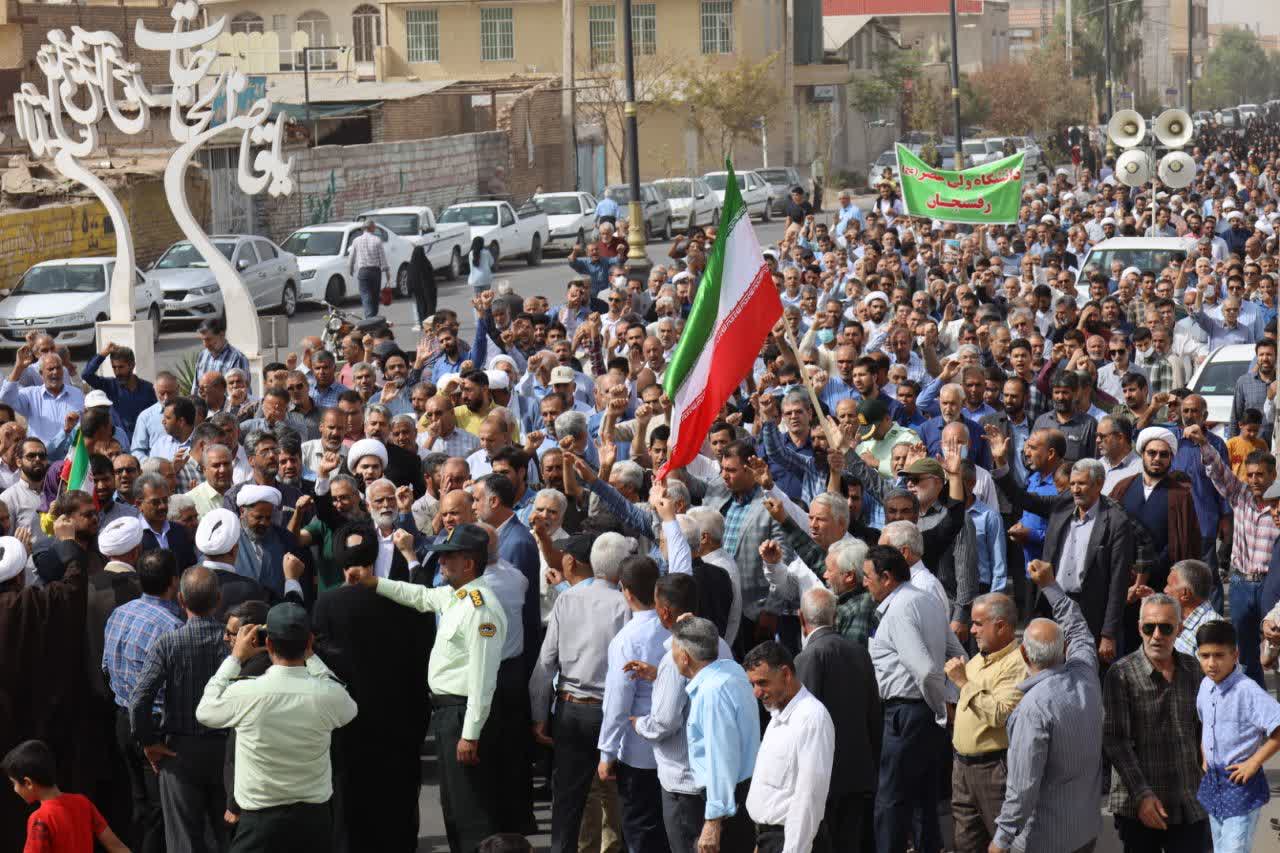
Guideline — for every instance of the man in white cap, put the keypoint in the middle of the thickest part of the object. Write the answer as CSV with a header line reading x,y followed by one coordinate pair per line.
x,y
1162,507
268,553
366,460
878,318
61,444
44,697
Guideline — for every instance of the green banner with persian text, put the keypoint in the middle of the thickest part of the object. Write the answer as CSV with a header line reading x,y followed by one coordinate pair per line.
x,y
990,193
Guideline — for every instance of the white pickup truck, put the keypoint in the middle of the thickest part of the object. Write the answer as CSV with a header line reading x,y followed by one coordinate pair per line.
x,y
507,232
445,244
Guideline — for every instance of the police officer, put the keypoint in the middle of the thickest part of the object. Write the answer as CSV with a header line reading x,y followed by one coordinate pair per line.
x,y
462,675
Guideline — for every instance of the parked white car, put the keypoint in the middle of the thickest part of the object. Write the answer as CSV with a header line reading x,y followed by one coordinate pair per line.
x,y
64,298
1215,380
1148,254
692,201
192,293
571,218
507,232
323,253
445,245
756,195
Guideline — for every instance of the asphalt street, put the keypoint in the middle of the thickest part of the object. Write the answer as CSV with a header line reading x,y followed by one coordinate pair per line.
x,y
548,279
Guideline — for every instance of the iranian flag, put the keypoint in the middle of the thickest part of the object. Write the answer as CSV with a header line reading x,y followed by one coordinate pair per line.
x,y
75,468
735,307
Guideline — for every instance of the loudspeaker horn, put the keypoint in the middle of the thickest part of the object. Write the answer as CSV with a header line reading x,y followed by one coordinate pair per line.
x,y
1133,168
1174,128
1126,128
1176,169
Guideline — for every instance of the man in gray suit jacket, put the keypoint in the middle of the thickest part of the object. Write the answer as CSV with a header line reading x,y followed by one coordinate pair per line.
x,y
1090,541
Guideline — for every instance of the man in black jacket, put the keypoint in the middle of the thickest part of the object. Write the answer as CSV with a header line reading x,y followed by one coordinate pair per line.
x,y
840,674
354,630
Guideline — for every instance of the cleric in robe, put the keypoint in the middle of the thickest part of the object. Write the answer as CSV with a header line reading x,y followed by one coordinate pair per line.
x,y
263,545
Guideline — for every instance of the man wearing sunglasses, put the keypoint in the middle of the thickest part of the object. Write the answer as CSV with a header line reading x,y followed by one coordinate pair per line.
x,y
1149,736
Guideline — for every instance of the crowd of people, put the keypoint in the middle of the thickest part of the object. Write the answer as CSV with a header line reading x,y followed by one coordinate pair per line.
x,y
963,541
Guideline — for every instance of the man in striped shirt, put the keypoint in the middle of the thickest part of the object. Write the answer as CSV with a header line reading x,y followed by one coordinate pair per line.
x,y
1254,536
369,265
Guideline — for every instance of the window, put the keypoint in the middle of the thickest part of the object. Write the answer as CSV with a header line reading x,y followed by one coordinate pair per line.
x,y
280,24
603,33
266,251
424,35
507,218
497,34
247,22
644,29
366,27
717,26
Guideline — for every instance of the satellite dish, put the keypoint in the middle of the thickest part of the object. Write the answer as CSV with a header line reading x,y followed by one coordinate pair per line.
x,y
1174,128
1133,168
1127,128
1176,169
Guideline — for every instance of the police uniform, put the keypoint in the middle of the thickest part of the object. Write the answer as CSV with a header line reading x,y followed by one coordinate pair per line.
x,y
462,675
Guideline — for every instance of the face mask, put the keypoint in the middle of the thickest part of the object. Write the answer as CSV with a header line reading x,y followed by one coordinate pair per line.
x,y
826,336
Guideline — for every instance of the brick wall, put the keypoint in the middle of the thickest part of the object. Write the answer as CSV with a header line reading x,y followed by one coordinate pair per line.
x,y
427,117
80,227
534,126
38,18
333,183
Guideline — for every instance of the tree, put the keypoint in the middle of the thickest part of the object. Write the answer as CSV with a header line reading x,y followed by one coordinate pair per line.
x,y
1236,71
1031,96
871,94
1090,38
724,104
602,98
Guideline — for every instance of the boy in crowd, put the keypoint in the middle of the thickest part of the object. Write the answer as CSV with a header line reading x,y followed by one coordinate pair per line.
x,y
64,823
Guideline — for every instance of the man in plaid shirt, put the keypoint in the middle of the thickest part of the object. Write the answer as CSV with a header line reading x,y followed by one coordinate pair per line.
x,y
132,629
218,356
1253,541
1251,389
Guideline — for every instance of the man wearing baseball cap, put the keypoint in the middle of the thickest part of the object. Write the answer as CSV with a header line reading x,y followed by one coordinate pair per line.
x,y
878,434
284,720
462,675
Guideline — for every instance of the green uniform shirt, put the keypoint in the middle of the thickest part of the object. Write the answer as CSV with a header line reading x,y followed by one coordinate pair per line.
x,y
283,720
883,449
468,648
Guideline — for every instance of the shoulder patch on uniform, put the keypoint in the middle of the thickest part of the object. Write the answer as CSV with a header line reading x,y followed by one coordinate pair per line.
x,y
477,598
488,629
462,593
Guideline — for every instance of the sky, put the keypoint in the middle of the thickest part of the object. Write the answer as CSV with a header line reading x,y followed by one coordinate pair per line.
x,y
1263,17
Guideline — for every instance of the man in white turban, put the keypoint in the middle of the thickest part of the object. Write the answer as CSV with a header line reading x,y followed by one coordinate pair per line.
x,y
367,459
121,540
267,552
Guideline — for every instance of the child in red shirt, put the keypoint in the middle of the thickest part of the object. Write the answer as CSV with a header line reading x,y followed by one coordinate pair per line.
x,y
64,823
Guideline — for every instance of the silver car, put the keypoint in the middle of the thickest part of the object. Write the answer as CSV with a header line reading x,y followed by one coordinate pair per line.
x,y
191,292
780,181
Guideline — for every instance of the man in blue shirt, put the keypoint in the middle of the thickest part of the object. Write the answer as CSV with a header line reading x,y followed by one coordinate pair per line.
x,y
594,267
607,210
148,427
130,396
624,754
723,733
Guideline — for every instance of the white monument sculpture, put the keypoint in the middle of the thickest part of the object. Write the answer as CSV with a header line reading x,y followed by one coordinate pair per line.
x,y
88,77
192,124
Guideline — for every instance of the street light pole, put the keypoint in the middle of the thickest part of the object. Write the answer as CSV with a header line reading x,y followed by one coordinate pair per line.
x,y
1191,61
955,86
637,256
1106,50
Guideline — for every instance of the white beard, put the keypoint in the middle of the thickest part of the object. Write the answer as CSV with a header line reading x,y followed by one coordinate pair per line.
x,y
383,519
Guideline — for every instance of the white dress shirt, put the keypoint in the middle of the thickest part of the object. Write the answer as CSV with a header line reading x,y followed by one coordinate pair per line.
x,y
386,553
926,581
793,771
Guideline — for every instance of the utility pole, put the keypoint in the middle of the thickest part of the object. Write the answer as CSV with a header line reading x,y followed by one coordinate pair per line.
x,y
1067,29
955,86
568,105
1106,50
1191,59
637,255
